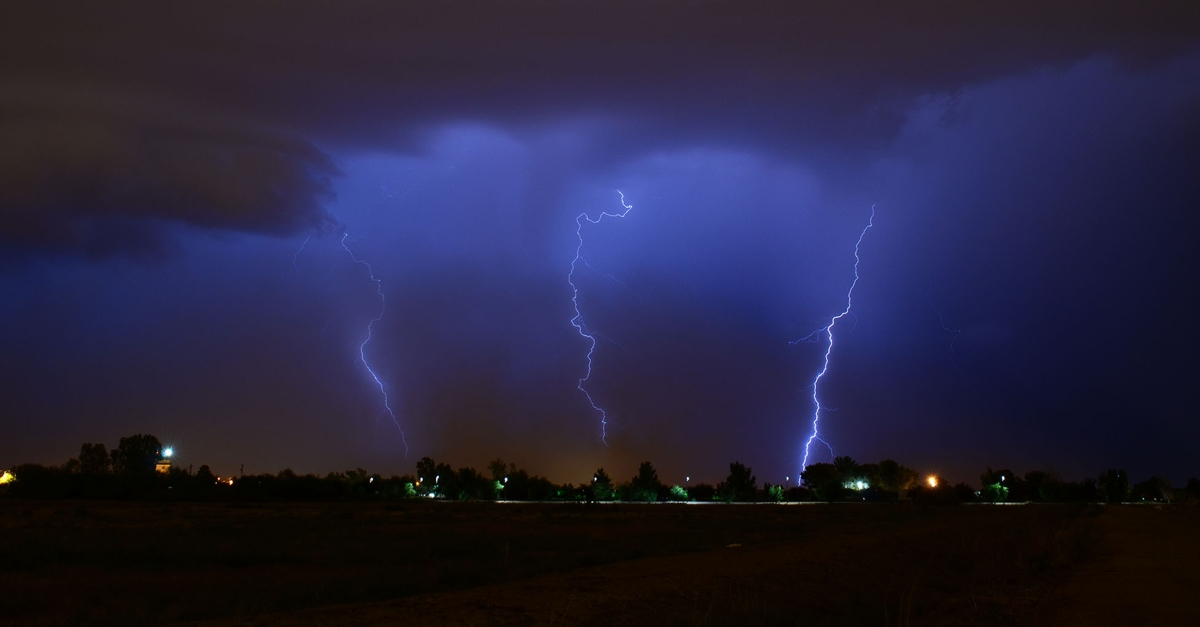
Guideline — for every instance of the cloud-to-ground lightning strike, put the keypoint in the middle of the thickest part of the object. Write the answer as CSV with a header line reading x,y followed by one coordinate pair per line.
x,y
578,321
370,329
827,330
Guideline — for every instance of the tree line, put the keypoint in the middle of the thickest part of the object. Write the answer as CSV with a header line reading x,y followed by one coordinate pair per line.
x,y
129,472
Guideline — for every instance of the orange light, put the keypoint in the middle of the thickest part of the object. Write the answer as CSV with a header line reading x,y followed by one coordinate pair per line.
x,y
932,481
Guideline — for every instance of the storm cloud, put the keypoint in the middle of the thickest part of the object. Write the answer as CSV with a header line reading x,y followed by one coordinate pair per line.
x,y
120,118
181,184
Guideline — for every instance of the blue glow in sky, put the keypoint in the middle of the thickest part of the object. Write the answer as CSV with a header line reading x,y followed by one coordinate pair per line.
x,y
1042,207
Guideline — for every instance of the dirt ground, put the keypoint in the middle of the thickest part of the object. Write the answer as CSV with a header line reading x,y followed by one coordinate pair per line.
x,y
1149,573
559,564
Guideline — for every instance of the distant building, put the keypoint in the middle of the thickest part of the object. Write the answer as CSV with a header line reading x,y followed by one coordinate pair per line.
x,y
163,464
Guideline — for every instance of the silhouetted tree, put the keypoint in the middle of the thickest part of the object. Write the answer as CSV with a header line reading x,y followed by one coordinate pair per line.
x,y
1153,489
517,486
645,486
469,484
445,481
498,469
1042,486
571,492
136,454
798,493
1079,491
353,477
869,474
846,466
895,478
94,459
942,494
740,485
964,493
602,487
1114,485
541,488
41,482
426,471
1165,489
996,484
205,476
824,480
861,478
702,492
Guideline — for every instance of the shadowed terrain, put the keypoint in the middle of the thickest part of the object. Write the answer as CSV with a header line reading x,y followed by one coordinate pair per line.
x,y
563,564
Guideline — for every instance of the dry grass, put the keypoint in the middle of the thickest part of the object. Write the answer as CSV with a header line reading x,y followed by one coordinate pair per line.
x,y
138,563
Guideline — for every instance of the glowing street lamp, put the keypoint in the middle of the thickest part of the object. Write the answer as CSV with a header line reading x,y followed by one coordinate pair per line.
x,y
932,480
168,452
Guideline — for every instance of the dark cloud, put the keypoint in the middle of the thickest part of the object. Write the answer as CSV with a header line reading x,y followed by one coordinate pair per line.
x,y
117,118
85,170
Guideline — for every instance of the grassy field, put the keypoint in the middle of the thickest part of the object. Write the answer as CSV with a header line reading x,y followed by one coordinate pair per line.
x,y
107,563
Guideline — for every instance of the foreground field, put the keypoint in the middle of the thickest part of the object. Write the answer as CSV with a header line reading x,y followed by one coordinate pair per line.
x,y
424,563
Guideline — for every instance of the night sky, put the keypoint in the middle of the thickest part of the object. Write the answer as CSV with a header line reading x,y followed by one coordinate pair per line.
x,y
1027,293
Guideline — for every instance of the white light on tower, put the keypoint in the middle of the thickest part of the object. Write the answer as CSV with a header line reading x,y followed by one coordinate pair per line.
x,y
167,452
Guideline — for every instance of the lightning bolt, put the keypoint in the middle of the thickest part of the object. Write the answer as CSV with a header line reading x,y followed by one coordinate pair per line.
x,y
362,348
827,330
954,337
296,257
578,321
